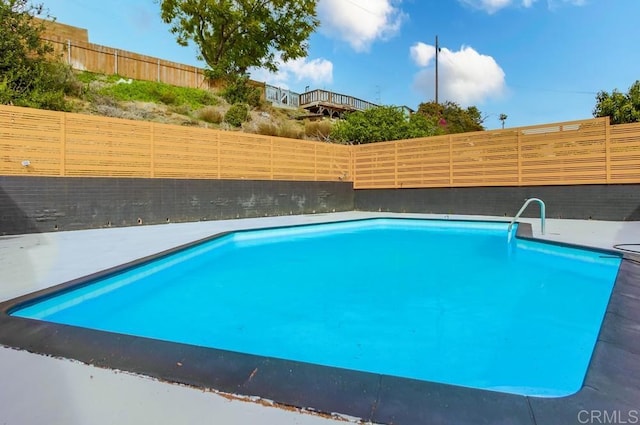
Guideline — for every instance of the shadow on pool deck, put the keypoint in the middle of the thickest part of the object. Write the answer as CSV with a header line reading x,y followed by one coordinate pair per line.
x,y
612,384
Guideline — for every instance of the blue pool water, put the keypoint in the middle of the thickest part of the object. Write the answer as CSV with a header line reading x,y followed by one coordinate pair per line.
x,y
442,301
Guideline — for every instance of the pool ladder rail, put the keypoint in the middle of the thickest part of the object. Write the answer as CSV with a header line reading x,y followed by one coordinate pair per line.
x,y
524,207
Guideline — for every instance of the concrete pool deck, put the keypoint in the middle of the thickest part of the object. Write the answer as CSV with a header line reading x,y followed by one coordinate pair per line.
x,y
43,389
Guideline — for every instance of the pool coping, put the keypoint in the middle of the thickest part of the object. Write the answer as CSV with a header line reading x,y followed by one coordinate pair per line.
x,y
611,383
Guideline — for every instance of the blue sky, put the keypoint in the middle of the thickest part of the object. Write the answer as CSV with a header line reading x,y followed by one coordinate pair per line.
x,y
538,61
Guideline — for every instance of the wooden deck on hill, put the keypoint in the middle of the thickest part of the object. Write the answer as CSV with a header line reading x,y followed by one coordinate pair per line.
x,y
332,104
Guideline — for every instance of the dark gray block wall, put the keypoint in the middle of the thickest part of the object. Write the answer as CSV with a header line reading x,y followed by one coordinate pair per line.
x,y
597,202
43,204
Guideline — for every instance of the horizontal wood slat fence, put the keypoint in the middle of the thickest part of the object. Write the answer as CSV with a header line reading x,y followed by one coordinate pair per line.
x,y
45,143
576,152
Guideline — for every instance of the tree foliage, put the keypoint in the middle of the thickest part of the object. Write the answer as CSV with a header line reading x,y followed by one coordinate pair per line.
x,y
452,118
234,35
380,124
503,118
239,90
620,107
29,75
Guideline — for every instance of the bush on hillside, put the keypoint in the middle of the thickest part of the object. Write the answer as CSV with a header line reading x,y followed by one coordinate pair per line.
x,y
237,114
239,90
380,124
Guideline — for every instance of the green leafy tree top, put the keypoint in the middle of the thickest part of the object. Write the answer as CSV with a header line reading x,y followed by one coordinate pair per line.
x,y
620,107
452,118
503,118
29,74
380,124
234,35
21,48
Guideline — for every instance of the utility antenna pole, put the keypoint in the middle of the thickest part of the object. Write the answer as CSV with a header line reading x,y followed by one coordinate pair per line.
x,y
437,50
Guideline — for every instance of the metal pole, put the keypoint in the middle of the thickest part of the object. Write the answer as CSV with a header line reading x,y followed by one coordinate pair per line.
x,y
437,49
69,51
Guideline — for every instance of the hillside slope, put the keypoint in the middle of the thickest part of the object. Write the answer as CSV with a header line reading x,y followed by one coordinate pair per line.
x,y
113,96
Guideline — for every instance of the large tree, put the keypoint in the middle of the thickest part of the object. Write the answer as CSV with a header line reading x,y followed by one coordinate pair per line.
x,y
235,35
620,107
22,52
452,117
30,75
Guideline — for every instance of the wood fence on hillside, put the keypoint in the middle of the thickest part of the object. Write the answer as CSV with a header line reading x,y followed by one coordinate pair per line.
x,y
85,56
44,143
73,46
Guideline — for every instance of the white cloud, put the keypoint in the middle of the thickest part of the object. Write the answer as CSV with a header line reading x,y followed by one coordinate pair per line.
x,y
313,72
465,76
360,22
422,53
492,6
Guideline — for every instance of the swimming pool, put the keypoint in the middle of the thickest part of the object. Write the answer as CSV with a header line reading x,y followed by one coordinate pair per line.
x,y
419,310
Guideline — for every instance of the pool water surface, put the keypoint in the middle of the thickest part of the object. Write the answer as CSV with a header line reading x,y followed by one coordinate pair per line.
x,y
442,301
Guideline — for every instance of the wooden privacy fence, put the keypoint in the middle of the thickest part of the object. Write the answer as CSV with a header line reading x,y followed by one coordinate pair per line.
x,y
86,56
577,152
45,143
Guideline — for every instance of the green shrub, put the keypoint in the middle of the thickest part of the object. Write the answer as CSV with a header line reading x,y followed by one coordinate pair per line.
x,y
380,124
53,100
239,90
237,114
167,97
207,98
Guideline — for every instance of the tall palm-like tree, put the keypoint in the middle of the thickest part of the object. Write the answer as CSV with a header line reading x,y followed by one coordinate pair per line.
x,y
503,118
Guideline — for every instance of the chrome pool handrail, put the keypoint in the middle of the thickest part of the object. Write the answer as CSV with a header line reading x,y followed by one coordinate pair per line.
x,y
524,206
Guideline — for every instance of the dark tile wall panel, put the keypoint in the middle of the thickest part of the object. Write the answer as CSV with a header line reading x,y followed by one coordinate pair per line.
x,y
42,204
597,202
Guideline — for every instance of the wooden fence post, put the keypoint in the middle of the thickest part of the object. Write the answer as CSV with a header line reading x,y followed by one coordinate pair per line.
x,y
395,165
271,174
152,148
607,148
352,167
519,157
63,143
315,162
450,160
218,153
